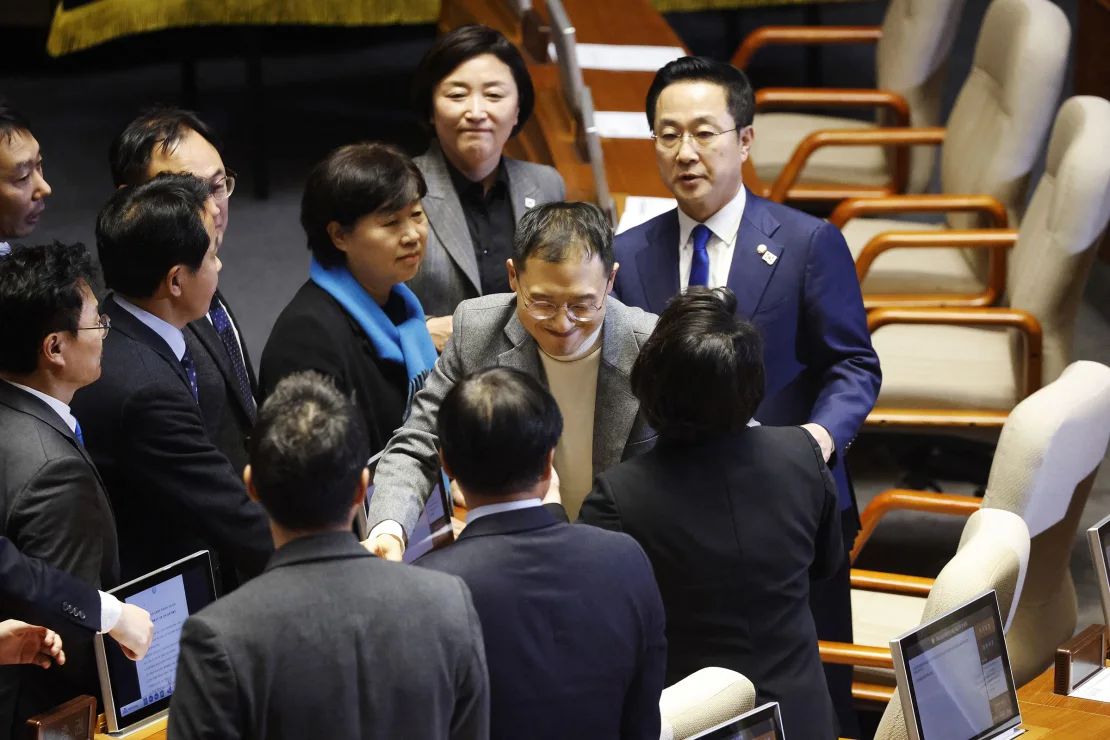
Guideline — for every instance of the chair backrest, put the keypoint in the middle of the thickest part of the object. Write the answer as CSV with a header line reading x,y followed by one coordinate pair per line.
x,y
993,553
702,700
1048,455
910,60
1049,265
1002,113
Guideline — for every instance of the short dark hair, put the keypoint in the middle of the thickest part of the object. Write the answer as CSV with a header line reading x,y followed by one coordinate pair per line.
x,y
462,45
496,428
143,231
161,126
738,90
11,121
307,451
557,232
700,373
40,293
351,182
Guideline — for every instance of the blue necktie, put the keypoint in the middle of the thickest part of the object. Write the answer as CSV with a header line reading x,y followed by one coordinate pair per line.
x,y
191,373
222,323
699,266
77,432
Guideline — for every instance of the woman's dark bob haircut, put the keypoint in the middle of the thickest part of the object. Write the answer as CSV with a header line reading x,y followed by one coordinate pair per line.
x,y
700,373
462,45
351,182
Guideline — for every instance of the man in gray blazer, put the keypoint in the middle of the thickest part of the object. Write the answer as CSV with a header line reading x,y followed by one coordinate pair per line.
x,y
559,326
329,641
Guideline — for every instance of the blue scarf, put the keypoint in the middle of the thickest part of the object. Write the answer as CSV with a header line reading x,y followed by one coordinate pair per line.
x,y
408,344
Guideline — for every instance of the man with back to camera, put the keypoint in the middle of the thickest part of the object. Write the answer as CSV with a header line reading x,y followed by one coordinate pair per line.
x,y
52,503
558,326
23,188
329,641
571,616
165,139
173,492
793,278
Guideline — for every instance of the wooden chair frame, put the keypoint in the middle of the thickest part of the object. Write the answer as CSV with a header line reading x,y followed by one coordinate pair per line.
x,y
802,36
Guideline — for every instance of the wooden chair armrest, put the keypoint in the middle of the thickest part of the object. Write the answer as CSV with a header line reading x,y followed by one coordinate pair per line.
x,y
895,583
918,136
1013,318
805,97
846,653
987,205
873,692
904,499
802,36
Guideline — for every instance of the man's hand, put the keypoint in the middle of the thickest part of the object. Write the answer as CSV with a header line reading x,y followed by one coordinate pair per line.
x,y
822,437
553,496
133,631
440,327
22,643
385,546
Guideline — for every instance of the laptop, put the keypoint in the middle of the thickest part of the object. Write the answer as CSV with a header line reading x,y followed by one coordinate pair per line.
x,y
433,528
762,723
954,676
1099,538
137,693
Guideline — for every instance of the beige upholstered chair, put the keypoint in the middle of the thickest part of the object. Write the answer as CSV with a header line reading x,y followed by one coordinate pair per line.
x,y
912,46
993,136
970,366
702,700
993,554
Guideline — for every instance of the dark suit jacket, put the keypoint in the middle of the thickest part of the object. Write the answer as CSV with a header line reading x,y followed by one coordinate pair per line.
x,y
315,333
573,626
174,493
807,305
736,529
50,597
225,412
331,642
52,507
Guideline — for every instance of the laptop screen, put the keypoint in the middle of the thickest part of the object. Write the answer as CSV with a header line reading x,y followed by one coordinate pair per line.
x,y
1099,538
762,723
134,691
954,675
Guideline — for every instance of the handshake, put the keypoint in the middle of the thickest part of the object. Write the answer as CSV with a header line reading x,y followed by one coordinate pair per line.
x,y
22,643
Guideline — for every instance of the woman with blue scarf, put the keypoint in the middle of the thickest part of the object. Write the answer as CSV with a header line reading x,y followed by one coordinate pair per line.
x,y
355,320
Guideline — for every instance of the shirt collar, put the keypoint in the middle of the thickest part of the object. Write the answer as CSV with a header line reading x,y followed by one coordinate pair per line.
x,y
466,187
5,248
488,509
724,223
60,408
170,334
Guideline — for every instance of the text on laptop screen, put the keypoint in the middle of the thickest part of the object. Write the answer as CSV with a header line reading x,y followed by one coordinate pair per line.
x,y
960,678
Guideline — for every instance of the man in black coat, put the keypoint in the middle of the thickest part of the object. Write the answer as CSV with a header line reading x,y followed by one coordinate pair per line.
x,y
52,502
737,521
173,491
572,618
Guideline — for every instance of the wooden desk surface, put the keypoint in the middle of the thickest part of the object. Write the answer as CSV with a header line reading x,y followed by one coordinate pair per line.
x,y
1045,713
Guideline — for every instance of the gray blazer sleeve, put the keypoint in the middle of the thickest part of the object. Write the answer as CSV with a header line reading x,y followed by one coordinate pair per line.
x,y
409,466
205,697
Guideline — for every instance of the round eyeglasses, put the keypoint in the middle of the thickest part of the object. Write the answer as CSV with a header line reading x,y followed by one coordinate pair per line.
x,y
222,186
579,313
103,326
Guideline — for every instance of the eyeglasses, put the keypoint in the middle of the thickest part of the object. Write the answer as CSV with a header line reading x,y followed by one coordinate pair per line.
x,y
222,187
579,313
103,327
702,139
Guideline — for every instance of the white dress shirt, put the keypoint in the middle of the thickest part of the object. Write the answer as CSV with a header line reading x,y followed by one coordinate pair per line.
x,y
723,226
169,333
481,511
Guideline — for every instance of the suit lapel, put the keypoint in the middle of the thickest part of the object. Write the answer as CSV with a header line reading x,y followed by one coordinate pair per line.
x,y
524,192
206,334
524,355
615,408
750,272
131,327
657,265
445,214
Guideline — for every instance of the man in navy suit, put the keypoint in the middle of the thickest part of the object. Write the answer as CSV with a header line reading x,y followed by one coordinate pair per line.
x,y
792,274
571,616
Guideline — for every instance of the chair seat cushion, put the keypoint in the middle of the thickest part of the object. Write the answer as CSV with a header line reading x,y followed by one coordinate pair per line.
x,y
778,135
947,367
915,270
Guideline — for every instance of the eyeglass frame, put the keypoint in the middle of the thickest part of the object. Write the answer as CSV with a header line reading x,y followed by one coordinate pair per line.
x,y
228,183
565,306
104,326
711,138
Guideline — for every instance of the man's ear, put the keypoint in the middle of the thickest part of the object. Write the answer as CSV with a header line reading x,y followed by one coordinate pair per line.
x,y
444,465
52,345
747,136
251,493
338,235
172,281
612,277
511,269
363,486
549,465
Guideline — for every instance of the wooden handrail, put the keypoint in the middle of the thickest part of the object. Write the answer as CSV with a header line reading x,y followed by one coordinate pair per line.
x,y
846,653
804,97
986,205
802,36
936,418
903,499
896,583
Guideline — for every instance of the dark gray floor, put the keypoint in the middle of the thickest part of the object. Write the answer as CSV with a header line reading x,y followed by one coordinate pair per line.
x,y
324,99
